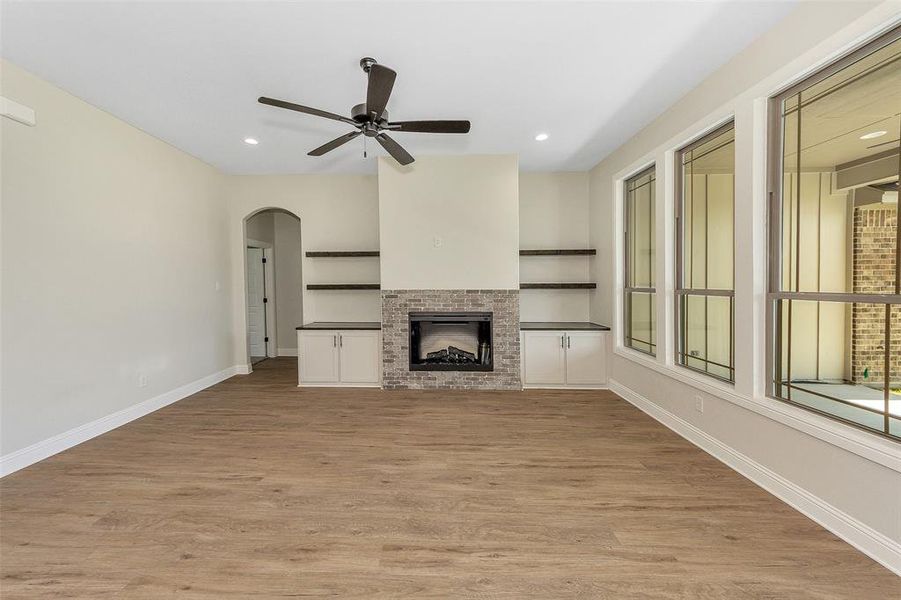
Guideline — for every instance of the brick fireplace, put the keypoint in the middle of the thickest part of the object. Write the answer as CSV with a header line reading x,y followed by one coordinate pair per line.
x,y
449,244
502,305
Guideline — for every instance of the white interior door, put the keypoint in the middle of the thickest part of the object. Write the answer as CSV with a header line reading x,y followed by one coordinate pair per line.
x,y
544,361
586,361
360,356
256,308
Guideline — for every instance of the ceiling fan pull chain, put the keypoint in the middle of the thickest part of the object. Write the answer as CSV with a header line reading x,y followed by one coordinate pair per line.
x,y
364,147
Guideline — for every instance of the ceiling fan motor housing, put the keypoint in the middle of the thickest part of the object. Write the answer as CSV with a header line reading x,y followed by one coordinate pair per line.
x,y
358,113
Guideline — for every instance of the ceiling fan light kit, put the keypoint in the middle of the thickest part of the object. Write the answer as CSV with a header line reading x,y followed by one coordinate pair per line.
x,y
370,119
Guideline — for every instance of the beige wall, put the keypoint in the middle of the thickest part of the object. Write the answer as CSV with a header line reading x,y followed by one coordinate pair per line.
x,y
288,281
450,222
553,213
115,265
821,459
337,212
261,227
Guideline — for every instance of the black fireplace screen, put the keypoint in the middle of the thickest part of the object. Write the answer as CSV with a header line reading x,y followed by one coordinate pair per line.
x,y
451,341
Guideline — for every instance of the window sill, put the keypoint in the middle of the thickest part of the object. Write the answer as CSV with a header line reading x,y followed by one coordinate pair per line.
x,y
870,446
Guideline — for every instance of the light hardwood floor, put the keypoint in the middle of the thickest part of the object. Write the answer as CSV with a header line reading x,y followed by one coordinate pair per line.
x,y
257,489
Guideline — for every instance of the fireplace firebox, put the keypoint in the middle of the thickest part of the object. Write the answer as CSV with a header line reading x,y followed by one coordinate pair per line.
x,y
451,341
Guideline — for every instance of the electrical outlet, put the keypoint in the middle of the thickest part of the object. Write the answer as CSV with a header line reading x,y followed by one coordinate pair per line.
x,y
142,380
699,404
438,242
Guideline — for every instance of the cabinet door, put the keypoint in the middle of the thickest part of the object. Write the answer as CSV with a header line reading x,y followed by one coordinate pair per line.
x,y
544,359
360,356
586,357
317,356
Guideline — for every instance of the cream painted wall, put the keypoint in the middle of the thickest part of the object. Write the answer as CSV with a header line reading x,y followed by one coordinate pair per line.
x,y
553,213
337,212
288,280
450,222
821,459
115,264
261,227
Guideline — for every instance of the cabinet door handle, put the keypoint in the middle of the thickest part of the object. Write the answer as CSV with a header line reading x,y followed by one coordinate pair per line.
x,y
340,340
334,341
562,342
569,341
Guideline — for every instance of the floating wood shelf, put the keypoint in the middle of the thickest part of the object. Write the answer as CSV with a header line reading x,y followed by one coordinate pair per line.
x,y
343,286
557,286
343,254
560,252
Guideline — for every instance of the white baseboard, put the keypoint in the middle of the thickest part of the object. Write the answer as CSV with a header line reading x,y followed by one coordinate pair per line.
x,y
287,351
877,546
12,462
243,369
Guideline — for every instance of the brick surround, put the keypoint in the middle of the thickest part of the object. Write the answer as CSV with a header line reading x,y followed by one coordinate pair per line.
x,y
874,273
398,304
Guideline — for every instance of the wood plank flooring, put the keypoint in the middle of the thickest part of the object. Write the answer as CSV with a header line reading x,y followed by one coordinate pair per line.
x,y
257,489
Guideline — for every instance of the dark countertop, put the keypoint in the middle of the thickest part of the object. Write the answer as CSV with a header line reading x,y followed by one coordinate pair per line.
x,y
561,325
343,254
346,325
560,252
559,286
525,326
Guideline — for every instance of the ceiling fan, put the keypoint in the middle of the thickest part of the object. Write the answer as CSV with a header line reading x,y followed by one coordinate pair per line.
x,y
371,119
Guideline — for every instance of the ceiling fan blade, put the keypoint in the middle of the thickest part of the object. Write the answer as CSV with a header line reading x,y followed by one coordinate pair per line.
x,y
430,126
381,82
334,144
394,149
306,109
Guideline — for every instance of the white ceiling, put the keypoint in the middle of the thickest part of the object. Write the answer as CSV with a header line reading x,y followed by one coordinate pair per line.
x,y
590,74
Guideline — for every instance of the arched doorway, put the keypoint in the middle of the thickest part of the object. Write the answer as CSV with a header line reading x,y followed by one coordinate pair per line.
x,y
273,283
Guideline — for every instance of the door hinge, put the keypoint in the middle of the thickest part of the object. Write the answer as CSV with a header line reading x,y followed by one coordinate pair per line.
x,y
264,260
265,300
266,339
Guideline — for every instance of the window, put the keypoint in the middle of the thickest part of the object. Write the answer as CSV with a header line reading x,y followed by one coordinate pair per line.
x,y
639,302
705,172
834,301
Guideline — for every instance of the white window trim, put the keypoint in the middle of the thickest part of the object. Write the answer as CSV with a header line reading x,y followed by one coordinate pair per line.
x,y
749,389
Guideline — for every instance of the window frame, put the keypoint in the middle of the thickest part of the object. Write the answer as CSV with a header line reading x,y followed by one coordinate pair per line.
x,y
774,293
627,256
681,293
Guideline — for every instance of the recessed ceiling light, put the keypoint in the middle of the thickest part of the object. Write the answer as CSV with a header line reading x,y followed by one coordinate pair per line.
x,y
873,134
251,141
540,137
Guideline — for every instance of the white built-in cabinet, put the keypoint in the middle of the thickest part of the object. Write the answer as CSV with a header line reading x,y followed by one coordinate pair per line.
x,y
339,358
561,359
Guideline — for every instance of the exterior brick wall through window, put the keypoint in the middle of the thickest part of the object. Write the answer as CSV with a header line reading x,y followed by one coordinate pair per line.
x,y
874,273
